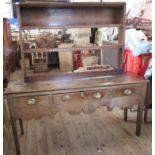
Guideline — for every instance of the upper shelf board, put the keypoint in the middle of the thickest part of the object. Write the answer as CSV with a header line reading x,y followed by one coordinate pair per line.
x,y
70,14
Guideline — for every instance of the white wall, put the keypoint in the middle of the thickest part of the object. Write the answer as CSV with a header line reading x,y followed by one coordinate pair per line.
x,y
135,6
6,8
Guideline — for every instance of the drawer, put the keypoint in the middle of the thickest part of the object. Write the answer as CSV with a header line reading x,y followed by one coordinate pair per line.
x,y
67,98
94,98
124,91
71,102
87,101
126,96
31,106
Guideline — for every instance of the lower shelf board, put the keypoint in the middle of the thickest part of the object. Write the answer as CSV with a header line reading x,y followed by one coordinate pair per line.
x,y
58,76
101,132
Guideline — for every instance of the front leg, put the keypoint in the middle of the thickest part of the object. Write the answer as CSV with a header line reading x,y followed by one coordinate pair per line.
x,y
139,120
14,126
141,107
21,126
15,134
125,114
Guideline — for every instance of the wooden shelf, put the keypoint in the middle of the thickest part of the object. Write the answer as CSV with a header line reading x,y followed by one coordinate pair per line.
x,y
70,15
73,48
71,76
69,5
72,26
53,15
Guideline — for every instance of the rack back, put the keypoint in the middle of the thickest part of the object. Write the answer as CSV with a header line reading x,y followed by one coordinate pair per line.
x,y
32,15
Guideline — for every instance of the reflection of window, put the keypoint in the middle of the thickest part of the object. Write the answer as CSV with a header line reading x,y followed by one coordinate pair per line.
x,y
14,7
6,9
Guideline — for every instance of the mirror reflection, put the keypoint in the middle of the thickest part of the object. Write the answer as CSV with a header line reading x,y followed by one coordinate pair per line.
x,y
68,50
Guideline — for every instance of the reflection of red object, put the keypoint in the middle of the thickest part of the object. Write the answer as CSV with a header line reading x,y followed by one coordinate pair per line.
x,y
77,59
137,64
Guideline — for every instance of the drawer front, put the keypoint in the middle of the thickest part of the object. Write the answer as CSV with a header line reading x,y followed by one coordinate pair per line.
x,y
95,98
126,96
71,102
122,91
86,101
31,106
67,98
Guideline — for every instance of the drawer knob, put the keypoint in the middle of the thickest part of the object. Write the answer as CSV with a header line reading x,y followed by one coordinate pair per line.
x,y
66,98
31,101
97,95
127,92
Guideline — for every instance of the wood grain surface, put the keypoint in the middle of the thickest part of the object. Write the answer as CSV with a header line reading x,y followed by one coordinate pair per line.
x,y
99,133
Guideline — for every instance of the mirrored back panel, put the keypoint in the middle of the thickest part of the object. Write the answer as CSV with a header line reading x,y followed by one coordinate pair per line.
x,y
71,50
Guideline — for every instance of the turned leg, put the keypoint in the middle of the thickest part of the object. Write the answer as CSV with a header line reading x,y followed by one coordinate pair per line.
x,y
139,120
21,126
125,114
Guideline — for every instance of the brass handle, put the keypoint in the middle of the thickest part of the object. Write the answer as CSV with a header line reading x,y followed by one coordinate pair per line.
x,y
66,98
82,94
97,95
31,101
127,92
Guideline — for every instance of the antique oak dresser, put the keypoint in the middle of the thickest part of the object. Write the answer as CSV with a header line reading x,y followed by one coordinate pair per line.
x,y
37,95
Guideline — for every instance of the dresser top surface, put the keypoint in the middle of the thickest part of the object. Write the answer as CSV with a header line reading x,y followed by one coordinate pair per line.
x,y
17,84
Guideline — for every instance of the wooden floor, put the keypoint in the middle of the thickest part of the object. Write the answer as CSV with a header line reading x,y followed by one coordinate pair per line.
x,y
101,133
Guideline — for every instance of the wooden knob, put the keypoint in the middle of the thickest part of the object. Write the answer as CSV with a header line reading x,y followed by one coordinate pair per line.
x,y
127,92
31,101
97,95
66,98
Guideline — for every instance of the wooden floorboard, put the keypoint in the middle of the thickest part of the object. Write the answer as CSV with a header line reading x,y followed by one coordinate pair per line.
x,y
100,133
